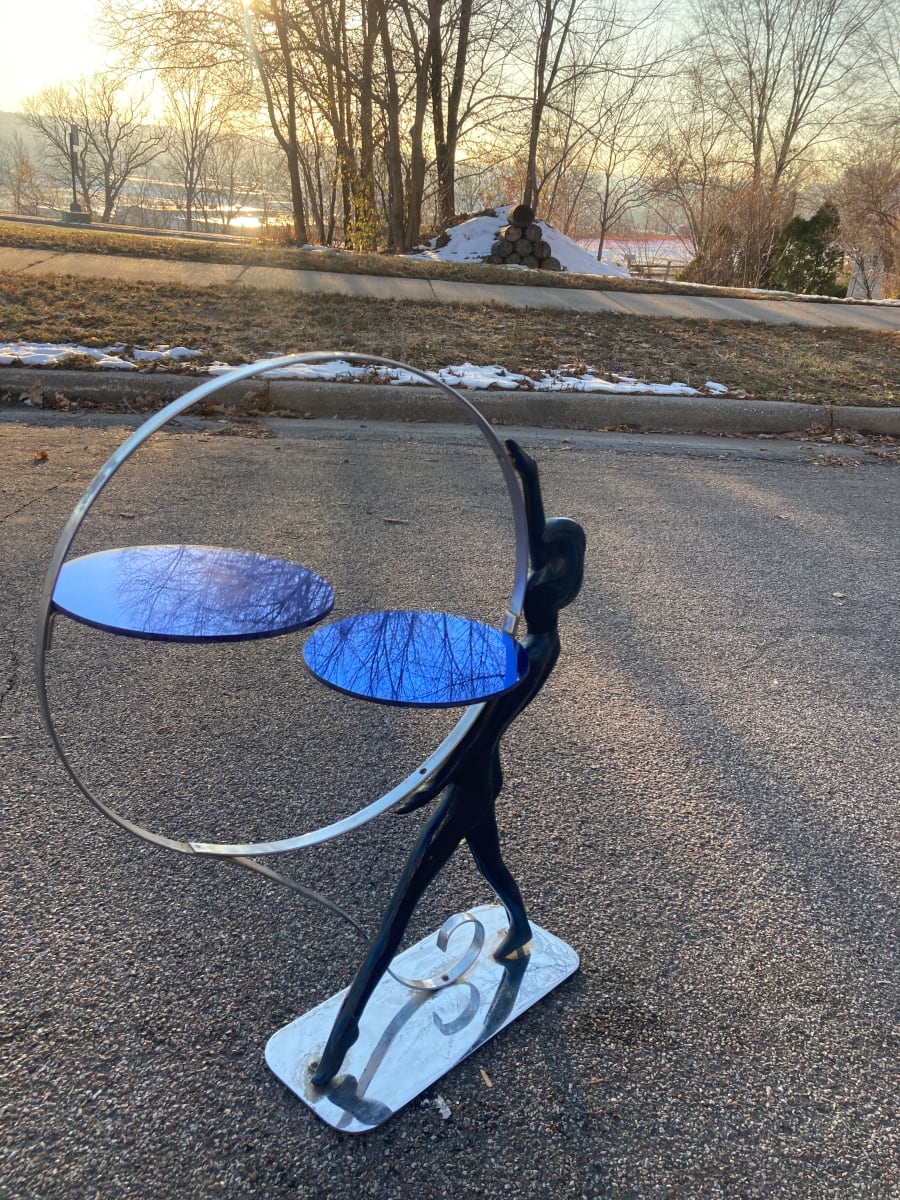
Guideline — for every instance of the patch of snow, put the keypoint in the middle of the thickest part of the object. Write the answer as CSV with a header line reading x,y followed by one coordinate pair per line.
x,y
51,354
120,357
471,241
463,375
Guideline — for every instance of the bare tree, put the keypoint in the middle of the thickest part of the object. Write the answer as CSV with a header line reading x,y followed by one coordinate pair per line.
x,y
778,70
588,60
559,29
115,140
868,198
52,114
241,52
622,179
694,158
321,176
447,96
373,101
770,83
197,118
28,187
883,46
240,172
603,168
353,89
466,72
274,51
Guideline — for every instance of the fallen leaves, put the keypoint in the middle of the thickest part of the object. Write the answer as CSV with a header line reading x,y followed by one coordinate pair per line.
x,y
828,459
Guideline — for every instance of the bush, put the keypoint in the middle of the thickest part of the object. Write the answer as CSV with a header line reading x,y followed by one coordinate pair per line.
x,y
742,227
806,257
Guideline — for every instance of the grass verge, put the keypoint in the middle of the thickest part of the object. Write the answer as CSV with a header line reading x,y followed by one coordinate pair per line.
x,y
833,366
251,252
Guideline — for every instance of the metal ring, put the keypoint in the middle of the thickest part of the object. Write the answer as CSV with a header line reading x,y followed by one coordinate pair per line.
x,y
403,790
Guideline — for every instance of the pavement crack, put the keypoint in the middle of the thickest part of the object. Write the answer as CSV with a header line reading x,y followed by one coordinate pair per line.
x,y
14,512
39,261
12,678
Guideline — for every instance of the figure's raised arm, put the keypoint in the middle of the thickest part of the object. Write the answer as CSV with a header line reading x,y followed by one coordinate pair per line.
x,y
527,470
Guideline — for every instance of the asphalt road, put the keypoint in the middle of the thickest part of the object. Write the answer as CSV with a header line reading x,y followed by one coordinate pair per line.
x,y
703,802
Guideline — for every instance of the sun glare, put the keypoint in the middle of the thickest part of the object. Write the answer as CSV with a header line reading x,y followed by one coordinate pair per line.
x,y
46,44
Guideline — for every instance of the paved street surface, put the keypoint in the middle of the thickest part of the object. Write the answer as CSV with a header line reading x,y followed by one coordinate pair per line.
x,y
875,317
703,802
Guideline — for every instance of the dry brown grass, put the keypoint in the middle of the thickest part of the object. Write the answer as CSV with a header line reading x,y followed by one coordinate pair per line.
x,y
833,366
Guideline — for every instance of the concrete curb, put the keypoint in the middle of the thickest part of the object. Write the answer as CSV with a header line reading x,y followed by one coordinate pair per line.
x,y
385,402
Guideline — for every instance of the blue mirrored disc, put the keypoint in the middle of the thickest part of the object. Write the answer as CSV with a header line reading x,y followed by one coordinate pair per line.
x,y
191,593
427,659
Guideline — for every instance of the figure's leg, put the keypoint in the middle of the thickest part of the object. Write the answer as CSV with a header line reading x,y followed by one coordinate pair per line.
x,y
440,837
484,842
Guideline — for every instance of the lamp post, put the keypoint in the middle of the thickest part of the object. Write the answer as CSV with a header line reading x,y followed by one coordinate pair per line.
x,y
74,207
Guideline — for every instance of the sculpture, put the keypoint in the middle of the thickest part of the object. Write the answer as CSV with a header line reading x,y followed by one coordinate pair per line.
x,y
472,778
423,659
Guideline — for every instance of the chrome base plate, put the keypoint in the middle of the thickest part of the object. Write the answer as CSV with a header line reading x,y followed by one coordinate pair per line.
x,y
410,1038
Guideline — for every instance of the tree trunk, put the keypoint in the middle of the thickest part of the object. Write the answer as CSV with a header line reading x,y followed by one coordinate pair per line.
x,y
298,210
394,149
286,138
365,219
447,127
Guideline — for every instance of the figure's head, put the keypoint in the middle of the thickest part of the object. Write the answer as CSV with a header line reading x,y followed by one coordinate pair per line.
x,y
556,548
555,581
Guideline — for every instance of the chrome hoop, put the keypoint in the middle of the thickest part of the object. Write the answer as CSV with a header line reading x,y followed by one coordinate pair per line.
x,y
403,790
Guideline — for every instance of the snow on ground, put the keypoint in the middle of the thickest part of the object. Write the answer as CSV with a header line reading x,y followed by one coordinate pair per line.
x,y
466,375
472,241
113,358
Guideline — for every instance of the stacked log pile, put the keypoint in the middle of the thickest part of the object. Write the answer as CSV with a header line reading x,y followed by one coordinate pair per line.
x,y
522,242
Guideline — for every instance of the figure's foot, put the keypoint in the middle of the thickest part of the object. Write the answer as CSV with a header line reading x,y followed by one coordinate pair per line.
x,y
517,936
341,1038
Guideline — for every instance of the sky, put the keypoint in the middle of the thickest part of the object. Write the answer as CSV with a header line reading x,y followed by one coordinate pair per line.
x,y
45,42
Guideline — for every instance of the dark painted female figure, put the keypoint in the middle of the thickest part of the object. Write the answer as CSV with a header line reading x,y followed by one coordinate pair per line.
x,y
472,778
